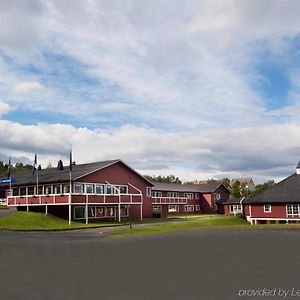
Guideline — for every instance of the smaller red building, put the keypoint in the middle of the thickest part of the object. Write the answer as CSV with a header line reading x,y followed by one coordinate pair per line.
x,y
279,204
172,199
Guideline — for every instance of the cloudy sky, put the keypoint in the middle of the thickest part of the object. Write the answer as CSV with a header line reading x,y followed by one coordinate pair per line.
x,y
197,89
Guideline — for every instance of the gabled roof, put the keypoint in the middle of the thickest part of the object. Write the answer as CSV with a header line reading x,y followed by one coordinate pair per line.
x,y
243,180
200,188
229,201
286,191
53,175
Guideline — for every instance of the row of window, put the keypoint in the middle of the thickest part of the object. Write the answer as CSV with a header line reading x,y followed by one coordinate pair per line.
x,y
175,208
91,188
175,195
41,190
99,212
293,209
79,188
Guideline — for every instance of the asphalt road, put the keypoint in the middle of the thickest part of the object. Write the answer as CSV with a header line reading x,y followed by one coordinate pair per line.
x,y
212,264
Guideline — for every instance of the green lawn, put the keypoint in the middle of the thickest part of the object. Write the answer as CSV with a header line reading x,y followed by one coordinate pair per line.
x,y
3,207
38,221
220,222
194,216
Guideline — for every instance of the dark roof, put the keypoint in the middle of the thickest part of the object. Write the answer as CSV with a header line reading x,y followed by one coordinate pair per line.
x,y
200,188
229,201
53,175
286,191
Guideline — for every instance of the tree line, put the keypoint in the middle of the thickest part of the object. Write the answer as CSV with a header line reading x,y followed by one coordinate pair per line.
x,y
18,167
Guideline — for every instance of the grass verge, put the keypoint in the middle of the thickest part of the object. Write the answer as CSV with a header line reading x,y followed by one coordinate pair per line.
x,y
3,207
33,221
220,222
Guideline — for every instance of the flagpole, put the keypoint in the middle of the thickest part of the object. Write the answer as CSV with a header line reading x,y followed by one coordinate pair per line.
x,y
9,166
70,189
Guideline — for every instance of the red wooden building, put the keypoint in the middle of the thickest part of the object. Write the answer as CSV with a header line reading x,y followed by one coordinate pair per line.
x,y
169,198
279,204
107,190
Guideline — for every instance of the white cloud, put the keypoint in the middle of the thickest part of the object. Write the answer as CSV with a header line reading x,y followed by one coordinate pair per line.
x,y
260,152
28,87
4,108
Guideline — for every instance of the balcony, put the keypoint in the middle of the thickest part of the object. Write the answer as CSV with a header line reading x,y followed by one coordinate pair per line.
x,y
65,199
169,200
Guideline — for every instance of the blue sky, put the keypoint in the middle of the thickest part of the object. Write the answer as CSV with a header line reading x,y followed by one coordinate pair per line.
x,y
199,89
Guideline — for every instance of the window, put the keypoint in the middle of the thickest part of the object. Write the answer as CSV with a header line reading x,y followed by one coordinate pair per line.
x,y
78,188
99,189
148,191
89,188
92,212
79,212
173,195
267,208
188,195
173,208
123,189
57,189
124,211
30,190
156,194
40,190
217,197
120,189
235,208
110,212
197,207
295,209
23,191
108,189
289,209
16,191
66,188
157,208
189,208
100,212
196,195
48,189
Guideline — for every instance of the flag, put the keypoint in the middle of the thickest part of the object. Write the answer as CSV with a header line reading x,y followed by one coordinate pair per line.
x,y
34,164
9,168
71,162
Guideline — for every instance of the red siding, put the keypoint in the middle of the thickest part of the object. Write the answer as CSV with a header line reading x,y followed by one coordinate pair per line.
x,y
120,174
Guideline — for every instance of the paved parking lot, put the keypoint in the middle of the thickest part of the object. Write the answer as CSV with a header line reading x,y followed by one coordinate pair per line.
x,y
212,264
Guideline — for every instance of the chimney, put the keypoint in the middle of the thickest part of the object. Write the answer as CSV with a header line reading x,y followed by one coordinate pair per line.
x,y
60,165
298,168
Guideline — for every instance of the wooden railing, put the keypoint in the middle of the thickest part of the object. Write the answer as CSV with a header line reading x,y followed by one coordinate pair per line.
x,y
67,198
169,200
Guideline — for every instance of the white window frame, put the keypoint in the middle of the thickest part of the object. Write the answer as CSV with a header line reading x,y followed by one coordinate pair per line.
x,y
173,208
157,208
173,195
217,196
188,195
189,208
148,191
196,195
291,210
197,207
235,207
156,194
76,184
267,208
